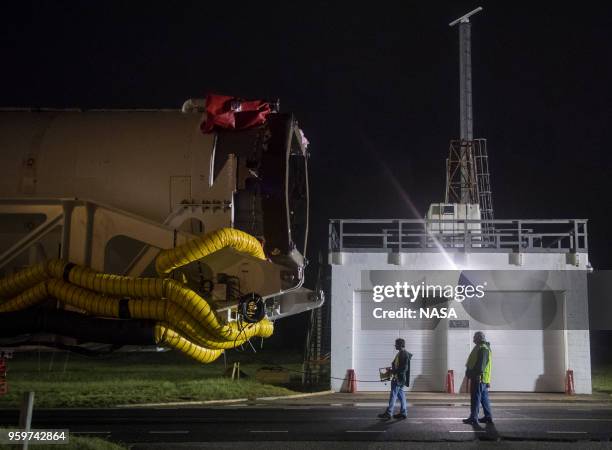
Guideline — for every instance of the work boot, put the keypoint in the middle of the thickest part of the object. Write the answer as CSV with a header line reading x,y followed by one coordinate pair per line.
x,y
399,416
470,421
384,415
486,420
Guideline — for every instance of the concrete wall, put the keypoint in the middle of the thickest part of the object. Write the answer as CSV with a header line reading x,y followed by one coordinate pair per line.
x,y
346,280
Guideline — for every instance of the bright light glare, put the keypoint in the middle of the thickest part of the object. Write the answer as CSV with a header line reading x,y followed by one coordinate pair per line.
x,y
415,212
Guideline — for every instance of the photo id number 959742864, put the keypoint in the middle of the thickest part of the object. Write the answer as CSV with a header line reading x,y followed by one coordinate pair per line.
x,y
16,436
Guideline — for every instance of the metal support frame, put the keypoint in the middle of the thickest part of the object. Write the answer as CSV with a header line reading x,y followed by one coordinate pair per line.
x,y
79,220
202,211
83,230
34,236
466,119
467,166
461,184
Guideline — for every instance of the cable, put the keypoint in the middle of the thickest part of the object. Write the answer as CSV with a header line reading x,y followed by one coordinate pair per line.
x,y
242,329
332,378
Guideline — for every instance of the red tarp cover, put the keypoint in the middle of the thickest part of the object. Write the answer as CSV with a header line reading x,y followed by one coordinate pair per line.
x,y
227,112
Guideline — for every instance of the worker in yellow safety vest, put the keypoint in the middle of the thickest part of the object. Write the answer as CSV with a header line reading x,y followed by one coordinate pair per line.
x,y
478,372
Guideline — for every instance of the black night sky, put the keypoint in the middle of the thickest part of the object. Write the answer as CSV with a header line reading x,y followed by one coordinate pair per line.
x,y
373,85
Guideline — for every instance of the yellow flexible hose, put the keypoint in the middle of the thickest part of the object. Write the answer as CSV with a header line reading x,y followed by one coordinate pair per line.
x,y
182,296
153,309
109,307
91,302
194,250
181,321
29,297
185,319
16,283
169,337
158,310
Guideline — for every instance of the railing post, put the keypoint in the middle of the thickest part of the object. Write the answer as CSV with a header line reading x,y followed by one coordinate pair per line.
x,y
399,222
575,243
520,236
341,238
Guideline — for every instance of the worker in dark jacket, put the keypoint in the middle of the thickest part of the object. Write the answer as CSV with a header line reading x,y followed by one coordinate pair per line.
x,y
478,372
400,371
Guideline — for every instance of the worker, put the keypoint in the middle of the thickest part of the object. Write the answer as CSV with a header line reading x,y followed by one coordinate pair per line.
x,y
400,372
478,372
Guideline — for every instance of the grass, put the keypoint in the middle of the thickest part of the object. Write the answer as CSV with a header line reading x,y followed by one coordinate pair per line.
x,y
69,380
602,379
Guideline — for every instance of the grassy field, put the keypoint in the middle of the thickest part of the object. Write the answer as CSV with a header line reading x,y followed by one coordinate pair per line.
x,y
68,380
602,379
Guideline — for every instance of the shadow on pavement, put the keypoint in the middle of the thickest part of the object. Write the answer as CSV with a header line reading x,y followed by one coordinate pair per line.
x,y
491,433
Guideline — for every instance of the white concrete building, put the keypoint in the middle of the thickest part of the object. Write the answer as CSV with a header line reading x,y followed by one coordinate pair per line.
x,y
531,353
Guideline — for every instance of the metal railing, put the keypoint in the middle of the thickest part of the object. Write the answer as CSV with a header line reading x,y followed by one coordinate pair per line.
x,y
415,235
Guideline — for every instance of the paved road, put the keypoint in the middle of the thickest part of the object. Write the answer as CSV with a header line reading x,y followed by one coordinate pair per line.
x,y
334,422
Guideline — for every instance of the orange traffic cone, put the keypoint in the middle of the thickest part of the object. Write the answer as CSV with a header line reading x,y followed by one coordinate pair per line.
x,y
352,383
450,382
569,382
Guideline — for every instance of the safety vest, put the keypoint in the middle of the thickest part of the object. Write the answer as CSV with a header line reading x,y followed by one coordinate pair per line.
x,y
473,358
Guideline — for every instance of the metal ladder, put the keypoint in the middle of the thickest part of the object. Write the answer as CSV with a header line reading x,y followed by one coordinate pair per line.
x,y
483,180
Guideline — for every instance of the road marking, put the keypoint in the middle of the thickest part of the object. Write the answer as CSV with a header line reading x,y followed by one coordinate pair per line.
x,y
365,431
467,431
544,419
91,432
498,419
268,431
516,415
335,404
564,432
371,404
169,432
